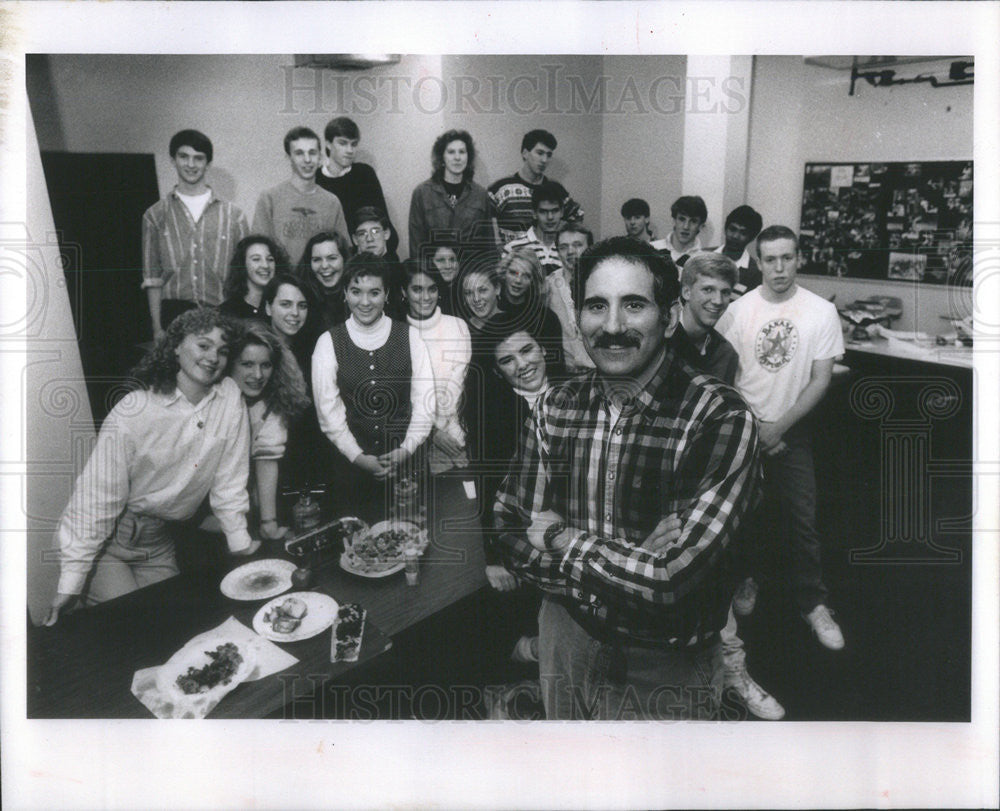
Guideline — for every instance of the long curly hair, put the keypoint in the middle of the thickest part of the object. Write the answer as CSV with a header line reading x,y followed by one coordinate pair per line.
x,y
158,370
437,154
285,393
235,285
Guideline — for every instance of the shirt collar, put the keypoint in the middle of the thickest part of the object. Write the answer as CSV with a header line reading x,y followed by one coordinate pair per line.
x,y
177,195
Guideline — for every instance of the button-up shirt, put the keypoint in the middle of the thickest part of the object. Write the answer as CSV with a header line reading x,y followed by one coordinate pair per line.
x,y
189,259
684,445
548,256
160,455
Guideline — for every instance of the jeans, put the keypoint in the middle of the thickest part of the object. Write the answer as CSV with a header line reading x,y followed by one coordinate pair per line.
x,y
586,678
140,553
790,502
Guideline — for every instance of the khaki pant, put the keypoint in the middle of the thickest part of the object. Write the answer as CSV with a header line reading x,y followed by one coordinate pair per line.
x,y
139,553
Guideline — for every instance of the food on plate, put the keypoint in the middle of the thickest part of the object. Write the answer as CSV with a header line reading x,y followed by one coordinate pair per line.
x,y
347,633
287,615
225,661
261,581
373,551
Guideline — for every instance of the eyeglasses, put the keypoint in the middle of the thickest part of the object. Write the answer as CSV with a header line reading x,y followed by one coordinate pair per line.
x,y
374,232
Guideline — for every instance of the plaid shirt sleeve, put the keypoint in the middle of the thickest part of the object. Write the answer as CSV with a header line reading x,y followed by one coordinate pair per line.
x,y
524,492
723,467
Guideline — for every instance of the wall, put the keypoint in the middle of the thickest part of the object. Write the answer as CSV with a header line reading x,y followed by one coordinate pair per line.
x,y
60,429
800,113
500,98
115,103
642,149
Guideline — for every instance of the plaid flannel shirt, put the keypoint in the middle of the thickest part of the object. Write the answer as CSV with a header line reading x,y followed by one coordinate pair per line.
x,y
687,445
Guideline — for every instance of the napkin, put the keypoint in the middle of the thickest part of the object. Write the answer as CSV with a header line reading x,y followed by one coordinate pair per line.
x,y
269,659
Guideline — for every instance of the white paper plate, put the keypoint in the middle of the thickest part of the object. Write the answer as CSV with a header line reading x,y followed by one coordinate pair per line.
x,y
321,611
258,579
195,654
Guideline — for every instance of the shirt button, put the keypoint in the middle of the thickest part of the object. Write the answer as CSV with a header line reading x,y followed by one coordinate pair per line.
x,y
372,366
371,354
607,516
611,476
618,431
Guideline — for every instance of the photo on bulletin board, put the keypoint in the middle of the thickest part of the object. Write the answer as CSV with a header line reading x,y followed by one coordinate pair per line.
x,y
889,221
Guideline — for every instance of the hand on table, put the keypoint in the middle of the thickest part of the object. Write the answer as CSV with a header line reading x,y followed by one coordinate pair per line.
x,y
373,465
59,602
245,553
663,534
272,530
540,525
500,578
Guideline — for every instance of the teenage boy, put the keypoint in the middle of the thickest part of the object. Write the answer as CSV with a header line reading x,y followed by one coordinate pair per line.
x,y
512,195
707,282
547,212
293,211
188,237
372,234
635,213
609,462
572,240
742,226
355,184
787,339
689,215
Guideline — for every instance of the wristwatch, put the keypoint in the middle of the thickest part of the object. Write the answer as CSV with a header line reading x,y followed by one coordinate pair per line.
x,y
550,535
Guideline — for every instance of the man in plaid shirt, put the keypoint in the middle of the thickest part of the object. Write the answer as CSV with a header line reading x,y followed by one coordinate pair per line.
x,y
628,485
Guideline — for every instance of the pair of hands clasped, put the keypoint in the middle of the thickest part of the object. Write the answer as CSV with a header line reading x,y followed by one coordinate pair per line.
x,y
384,466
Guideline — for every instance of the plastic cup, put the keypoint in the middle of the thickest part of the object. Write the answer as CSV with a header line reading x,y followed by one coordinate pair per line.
x,y
411,558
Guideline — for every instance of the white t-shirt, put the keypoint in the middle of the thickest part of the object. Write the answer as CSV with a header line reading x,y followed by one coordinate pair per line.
x,y
777,344
196,202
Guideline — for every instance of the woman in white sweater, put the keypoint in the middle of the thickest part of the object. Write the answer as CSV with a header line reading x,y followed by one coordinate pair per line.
x,y
450,346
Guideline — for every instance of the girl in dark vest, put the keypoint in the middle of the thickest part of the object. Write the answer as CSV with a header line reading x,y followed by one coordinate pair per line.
x,y
373,385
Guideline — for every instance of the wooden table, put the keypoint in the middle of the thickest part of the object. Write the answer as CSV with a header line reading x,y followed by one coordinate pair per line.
x,y
83,666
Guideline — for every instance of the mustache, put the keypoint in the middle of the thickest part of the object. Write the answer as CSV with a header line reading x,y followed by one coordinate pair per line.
x,y
619,341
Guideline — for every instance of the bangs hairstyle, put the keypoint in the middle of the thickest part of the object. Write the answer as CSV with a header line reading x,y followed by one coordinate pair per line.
x,y
236,278
437,154
575,228
692,206
198,141
429,249
271,291
303,271
748,218
528,256
501,327
666,288
635,207
341,127
368,264
708,263
535,137
411,268
285,393
158,370
546,192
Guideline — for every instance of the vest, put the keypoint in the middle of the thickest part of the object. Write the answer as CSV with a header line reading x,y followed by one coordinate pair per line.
x,y
375,387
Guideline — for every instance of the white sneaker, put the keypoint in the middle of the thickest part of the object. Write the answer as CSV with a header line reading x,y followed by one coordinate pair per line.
x,y
825,627
526,649
760,703
745,598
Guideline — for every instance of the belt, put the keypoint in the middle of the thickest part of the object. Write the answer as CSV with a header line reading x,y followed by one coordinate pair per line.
x,y
602,632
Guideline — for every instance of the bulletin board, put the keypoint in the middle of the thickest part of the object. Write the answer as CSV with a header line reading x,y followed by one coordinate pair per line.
x,y
907,222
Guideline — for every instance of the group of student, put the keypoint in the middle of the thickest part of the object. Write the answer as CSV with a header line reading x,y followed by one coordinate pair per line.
x,y
353,368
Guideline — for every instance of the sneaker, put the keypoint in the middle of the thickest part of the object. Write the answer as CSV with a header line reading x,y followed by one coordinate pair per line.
x,y
745,598
526,650
760,703
826,629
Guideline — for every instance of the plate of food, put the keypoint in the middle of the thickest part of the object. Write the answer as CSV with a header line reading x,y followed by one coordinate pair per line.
x,y
296,616
379,551
206,669
258,579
